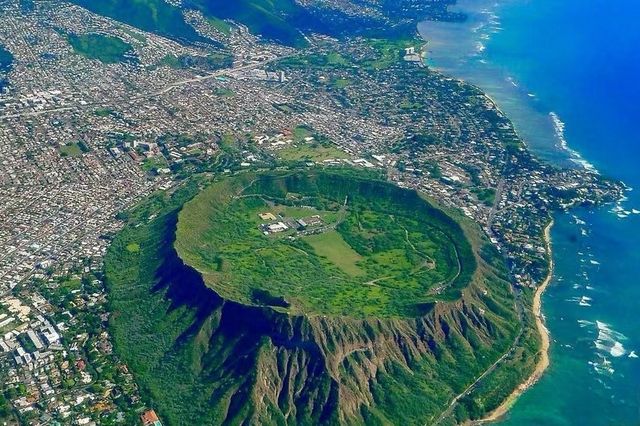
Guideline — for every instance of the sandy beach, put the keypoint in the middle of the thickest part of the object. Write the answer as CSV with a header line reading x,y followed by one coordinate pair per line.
x,y
543,362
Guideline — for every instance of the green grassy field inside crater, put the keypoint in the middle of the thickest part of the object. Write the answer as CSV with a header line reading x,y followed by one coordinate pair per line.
x,y
323,243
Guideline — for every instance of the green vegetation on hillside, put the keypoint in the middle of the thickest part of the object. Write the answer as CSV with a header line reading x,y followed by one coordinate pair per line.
x,y
220,25
106,49
156,16
270,19
274,20
199,359
281,21
388,252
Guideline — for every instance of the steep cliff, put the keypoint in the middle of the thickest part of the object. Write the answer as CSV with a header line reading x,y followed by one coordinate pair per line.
x,y
203,359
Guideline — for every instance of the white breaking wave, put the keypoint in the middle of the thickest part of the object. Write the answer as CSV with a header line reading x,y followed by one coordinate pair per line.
x,y
585,323
559,128
580,300
609,340
584,301
620,211
632,354
602,367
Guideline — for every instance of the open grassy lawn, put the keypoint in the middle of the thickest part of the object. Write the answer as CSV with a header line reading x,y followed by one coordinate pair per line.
x,y
334,248
152,164
133,248
71,284
75,149
340,83
223,91
106,49
311,152
301,132
389,52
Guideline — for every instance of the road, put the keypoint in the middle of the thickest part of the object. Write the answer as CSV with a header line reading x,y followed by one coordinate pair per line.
x,y
517,305
488,371
154,94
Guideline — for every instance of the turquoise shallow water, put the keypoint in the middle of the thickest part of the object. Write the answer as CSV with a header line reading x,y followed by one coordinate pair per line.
x,y
568,74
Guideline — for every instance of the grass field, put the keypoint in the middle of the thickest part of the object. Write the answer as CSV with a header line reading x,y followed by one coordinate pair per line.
x,y
390,52
75,149
311,152
301,212
333,247
317,149
152,164
133,248
341,83
380,254
106,49
223,91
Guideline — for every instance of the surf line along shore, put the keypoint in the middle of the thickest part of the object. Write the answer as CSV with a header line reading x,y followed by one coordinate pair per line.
x,y
543,362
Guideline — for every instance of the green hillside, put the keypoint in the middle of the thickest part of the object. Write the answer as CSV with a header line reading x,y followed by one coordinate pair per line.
x,y
276,20
156,16
203,359
281,21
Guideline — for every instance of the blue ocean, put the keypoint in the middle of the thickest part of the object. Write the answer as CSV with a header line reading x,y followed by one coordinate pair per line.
x,y
567,72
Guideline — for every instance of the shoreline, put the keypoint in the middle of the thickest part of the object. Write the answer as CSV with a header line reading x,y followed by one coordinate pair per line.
x,y
543,362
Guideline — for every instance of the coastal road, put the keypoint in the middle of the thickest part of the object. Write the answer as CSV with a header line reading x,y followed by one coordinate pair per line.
x,y
490,370
517,305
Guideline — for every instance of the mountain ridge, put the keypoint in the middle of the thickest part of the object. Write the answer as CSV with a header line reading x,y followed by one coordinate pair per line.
x,y
255,365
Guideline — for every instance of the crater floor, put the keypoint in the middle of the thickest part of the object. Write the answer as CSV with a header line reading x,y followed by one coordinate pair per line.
x,y
323,243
